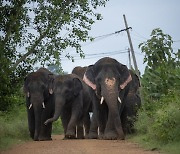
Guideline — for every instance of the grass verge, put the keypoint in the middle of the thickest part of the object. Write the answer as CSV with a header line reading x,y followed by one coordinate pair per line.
x,y
152,145
14,128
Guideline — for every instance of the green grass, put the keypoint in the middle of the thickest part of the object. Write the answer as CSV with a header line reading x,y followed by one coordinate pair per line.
x,y
145,142
14,127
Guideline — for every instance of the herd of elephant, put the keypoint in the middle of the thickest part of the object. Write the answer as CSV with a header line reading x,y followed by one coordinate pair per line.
x,y
106,89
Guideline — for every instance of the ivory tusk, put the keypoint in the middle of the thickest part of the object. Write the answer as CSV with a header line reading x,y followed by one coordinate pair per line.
x,y
43,105
30,106
28,94
119,100
102,99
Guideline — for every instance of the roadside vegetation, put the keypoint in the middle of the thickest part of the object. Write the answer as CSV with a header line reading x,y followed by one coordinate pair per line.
x,y
14,127
158,121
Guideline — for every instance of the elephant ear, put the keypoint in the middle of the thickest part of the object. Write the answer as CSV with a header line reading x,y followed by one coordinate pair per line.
x,y
50,82
89,78
135,81
125,76
25,87
77,86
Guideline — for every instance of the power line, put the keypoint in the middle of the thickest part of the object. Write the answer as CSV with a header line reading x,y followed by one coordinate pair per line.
x,y
116,32
138,35
92,56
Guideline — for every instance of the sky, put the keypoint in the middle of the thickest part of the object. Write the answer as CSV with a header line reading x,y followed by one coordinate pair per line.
x,y
142,15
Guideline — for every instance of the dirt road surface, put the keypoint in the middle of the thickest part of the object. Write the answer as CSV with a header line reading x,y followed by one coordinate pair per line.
x,y
60,146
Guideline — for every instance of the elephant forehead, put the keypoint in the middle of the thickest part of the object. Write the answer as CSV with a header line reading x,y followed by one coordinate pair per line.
x,y
110,82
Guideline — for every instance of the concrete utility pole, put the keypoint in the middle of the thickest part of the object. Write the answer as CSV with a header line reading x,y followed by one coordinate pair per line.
x,y
134,58
129,55
131,46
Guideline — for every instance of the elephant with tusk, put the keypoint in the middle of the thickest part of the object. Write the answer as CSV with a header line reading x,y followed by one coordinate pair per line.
x,y
39,102
132,104
109,81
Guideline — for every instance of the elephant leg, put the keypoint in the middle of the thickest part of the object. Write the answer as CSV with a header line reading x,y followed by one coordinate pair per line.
x,y
86,122
110,131
93,132
80,131
31,122
76,113
71,127
103,115
46,130
65,118
45,133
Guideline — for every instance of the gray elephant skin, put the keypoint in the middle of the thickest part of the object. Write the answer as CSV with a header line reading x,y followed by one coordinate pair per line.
x,y
109,82
72,102
79,71
40,104
132,104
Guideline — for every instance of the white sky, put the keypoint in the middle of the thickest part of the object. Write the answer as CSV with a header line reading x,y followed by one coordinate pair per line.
x,y
143,16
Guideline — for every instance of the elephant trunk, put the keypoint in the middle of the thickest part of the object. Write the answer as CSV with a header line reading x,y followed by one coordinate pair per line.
x,y
111,95
113,106
37,112
59,102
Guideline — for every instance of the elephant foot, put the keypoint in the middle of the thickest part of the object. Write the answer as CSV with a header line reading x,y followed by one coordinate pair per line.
x,y
92,135
45,138
80,134
36,139
121,137
110,136
70,135
101,136
86,137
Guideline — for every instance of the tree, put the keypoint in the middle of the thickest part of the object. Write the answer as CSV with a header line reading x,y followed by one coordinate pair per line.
x,y
163,70
38,31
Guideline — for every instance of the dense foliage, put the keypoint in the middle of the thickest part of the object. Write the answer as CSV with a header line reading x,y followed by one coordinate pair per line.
x,y
159,118
163,67
37,32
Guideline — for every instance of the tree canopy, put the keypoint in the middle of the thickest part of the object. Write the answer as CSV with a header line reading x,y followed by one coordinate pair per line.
x,y
38,31
162,72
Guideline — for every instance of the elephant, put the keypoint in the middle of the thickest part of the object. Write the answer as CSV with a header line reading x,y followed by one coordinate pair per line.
x,y
109,82
72,103
39,103
78,70
132,104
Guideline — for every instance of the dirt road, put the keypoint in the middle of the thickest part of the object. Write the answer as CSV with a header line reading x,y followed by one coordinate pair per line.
x,y
59,146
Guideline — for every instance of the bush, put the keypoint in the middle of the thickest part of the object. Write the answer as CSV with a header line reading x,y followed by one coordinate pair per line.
x,y
162,123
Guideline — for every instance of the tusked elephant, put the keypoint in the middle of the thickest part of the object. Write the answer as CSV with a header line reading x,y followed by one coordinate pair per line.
x,y
72,102
40,104
109,82
132,104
